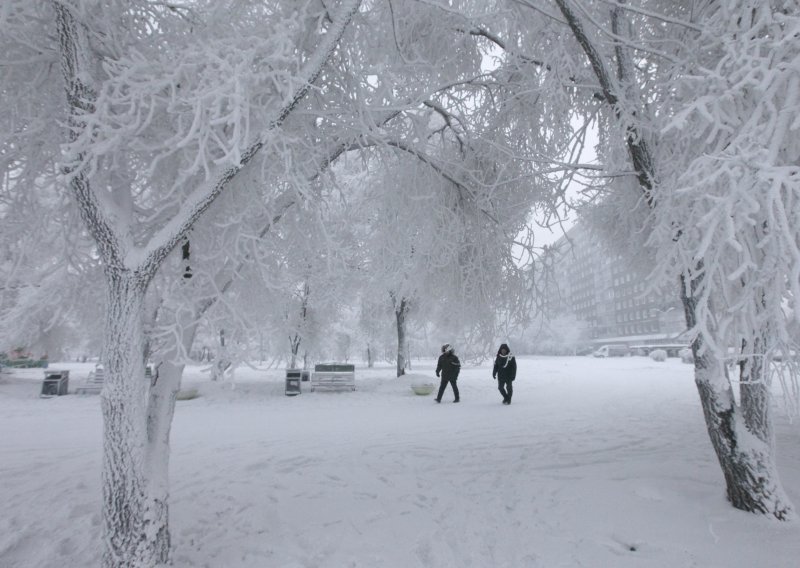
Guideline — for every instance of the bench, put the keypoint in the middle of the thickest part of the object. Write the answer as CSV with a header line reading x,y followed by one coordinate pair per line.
x,y
333,376
93,384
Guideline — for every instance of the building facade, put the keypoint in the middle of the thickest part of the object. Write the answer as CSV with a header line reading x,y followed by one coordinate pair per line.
x,y
610,299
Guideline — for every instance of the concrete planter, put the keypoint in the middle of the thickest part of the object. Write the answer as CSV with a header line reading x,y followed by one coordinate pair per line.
x,y
422,389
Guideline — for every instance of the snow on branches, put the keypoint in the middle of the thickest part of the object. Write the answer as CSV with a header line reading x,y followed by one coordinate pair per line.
x,y
734,213
182,111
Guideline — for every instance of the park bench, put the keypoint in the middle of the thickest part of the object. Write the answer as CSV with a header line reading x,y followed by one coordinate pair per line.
x,y
333,376
94,384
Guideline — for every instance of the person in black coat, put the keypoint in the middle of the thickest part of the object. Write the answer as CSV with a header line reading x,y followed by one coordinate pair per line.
x,y
505,371
448,367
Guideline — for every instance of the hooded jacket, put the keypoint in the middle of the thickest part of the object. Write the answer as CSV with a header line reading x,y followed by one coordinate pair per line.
x,y
505,366
448,366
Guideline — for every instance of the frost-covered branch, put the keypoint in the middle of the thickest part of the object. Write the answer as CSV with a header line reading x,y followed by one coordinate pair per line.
x,y
168,237
638,147
76,69
621,5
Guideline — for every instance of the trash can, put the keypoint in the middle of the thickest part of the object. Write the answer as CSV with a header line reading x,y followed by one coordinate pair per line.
x,y
305,375
293,382
56,383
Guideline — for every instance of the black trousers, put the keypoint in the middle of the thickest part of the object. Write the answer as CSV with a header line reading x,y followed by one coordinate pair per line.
x,y
506,388
443,385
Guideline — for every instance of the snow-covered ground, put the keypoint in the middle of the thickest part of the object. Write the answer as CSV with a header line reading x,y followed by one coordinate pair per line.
x,y
597,463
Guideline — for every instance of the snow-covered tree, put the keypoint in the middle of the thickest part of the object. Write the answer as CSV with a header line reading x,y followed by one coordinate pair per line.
x,y
729,220
712,200
166,109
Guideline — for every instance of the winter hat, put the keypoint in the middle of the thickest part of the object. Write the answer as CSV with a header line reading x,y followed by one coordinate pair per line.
x,y
506,347
447,348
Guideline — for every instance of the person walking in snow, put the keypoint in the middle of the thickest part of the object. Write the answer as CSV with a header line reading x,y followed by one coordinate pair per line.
x,y
505,371
448,367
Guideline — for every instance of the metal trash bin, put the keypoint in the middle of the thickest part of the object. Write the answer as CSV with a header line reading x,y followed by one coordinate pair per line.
x,y
293,377
56,383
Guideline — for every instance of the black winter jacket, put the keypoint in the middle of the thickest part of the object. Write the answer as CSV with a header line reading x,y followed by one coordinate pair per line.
x,y
505,371
448,366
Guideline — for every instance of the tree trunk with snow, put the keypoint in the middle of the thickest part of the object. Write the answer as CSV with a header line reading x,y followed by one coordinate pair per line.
x,y
754,381
294,345
741,436
135,445
221,362
164,387
400,312
163,394
302,325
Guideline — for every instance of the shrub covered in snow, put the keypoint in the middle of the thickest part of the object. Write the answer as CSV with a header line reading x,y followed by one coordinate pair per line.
x,y
686,356
658,355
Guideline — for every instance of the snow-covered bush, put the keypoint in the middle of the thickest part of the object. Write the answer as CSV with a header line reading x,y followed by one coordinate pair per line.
x,y
658,355
686,356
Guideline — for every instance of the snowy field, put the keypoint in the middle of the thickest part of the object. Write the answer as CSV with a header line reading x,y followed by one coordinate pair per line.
x,y
597,463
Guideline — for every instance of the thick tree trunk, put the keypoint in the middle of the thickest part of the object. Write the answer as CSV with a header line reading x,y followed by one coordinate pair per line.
x,y
742,439
400,313
130,519
138,417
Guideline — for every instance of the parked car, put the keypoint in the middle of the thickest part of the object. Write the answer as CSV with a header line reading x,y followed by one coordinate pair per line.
x,y
612,351
778,355
672,349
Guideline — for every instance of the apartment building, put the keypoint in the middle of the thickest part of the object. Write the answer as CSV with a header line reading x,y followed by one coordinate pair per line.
x,y
610,298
